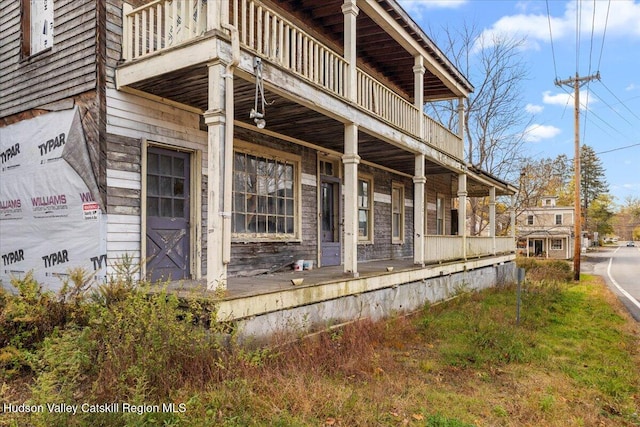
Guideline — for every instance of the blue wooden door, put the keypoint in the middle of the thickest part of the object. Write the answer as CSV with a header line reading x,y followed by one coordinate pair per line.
x,y
168,214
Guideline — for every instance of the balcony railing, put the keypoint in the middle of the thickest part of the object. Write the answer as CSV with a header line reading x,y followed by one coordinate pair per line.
x,y
162,24
272,37
378,99
442,138
449,248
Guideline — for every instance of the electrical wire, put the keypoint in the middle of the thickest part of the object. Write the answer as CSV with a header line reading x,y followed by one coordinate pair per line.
x,y
578,19
593,27
553,52
612,109
604,33
620,101
619,148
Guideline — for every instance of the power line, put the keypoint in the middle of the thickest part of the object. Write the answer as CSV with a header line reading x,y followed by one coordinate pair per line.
x,y
553,52
570,160
612,109
604,33
619,148
578,19
620,101
593,27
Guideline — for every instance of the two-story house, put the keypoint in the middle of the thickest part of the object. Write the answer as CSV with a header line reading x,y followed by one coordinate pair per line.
x,y
209,140
546,230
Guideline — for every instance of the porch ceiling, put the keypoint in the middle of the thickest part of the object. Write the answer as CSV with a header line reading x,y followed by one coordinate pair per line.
x,y
189,86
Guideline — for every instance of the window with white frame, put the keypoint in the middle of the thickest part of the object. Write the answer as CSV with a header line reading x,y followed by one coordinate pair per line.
x,y
265,195
558,219
556,244
397,212
439,215
37,26
529,219
365,208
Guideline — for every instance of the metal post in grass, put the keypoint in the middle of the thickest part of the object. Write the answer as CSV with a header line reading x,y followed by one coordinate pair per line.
x,y
518,290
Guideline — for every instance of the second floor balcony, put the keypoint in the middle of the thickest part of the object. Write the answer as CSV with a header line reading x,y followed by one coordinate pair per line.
x,y
166,45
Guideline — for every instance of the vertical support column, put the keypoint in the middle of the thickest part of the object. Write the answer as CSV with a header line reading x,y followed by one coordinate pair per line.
x,y
461,122
350,12
217,14
418,92
351,159
492,218
214,118
462,211
419,181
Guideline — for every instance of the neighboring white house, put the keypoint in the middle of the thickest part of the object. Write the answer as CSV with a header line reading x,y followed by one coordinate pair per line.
x,y
546,230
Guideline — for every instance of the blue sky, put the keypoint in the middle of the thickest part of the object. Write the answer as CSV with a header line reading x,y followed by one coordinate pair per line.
x,y
608,42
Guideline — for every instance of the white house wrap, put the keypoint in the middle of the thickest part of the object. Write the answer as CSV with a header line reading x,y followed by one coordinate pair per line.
x,y
51,216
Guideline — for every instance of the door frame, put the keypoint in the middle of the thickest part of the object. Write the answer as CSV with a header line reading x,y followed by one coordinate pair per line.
x,y
195,206
337,180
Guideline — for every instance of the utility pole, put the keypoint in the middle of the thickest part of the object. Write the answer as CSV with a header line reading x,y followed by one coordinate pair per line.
x,y
577,82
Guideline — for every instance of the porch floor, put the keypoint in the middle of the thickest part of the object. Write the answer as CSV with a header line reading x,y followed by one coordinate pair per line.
x,y
245,286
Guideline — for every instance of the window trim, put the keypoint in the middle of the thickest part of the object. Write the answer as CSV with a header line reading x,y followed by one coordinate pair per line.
x,y
530,220
552,247
441,219
274,154
395,185
559,216
368,239
25,30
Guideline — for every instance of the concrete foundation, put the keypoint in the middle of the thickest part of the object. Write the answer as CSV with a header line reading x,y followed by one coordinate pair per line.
x,y
374,304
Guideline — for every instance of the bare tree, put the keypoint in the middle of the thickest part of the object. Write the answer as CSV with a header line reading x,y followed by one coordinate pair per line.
x,y
494,114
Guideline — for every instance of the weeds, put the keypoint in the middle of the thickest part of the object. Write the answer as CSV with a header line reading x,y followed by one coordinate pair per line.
x,y
573,360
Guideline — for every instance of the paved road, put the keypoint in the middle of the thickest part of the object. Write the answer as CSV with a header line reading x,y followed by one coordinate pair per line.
x,y
620,267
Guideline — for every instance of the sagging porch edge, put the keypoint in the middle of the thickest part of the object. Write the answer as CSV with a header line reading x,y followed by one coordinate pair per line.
x,y
326,299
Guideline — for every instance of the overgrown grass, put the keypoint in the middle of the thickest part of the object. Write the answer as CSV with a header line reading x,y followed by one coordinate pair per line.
x,y
574,360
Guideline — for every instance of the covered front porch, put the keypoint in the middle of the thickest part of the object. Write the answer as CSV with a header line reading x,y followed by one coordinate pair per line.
x,y
332,99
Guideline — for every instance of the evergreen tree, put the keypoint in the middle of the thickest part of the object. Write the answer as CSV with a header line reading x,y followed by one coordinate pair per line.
x,y
592,180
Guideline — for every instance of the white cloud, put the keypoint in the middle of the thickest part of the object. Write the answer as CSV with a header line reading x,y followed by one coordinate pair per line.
x,y
533,109
566,98
432,4
623,18
632,86
537,132
415,8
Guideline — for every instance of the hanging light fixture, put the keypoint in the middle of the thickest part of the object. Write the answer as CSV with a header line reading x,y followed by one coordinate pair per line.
x,y
257,112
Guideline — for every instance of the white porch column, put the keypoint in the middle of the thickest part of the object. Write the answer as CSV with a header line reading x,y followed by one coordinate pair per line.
x,y
350,12
419,181
462,211
214,118
418,92
492,218
461,123
217,14
351,160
